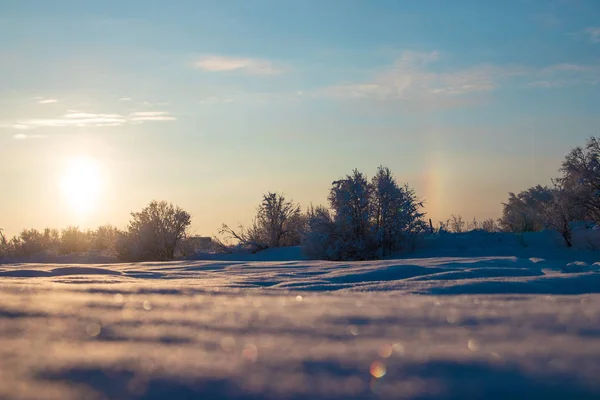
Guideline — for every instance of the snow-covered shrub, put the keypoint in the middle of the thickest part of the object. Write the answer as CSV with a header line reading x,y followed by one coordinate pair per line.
x,y
585,235
321,234
278,223
154,233
524,212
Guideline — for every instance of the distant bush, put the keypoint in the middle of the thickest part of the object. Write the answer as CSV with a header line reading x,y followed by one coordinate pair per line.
x,y
104,238
456,224
489,225
29,242
154,233
367,219
73,240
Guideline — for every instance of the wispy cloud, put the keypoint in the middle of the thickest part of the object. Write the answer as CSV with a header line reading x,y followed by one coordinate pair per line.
x,y
565,74
74,118
216,100
252,66
47,101
411,78
23,136
593,34
151,116
125,99
545,84
44,100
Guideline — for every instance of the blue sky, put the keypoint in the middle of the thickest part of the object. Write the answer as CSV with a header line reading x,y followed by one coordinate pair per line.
x,y
209,104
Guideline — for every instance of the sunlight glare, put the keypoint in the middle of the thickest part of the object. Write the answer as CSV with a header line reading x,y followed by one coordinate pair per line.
x,y
81,183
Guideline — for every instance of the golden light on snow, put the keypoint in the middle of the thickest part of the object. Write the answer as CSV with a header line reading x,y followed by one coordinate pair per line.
x,y
81,183
378,369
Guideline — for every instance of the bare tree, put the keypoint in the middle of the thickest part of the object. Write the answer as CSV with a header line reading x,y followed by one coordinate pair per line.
x,y
456,223
490,225
278,222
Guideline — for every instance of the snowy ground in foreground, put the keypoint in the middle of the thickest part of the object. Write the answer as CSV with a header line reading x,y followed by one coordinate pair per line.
x,y
421,328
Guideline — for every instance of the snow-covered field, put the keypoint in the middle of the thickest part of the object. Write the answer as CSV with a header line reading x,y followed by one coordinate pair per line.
x,y
448,325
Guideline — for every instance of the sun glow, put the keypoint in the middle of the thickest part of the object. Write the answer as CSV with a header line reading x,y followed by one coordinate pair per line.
x,y
81,184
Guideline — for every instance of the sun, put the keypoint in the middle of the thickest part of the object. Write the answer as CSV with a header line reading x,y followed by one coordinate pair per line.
x,y
81,184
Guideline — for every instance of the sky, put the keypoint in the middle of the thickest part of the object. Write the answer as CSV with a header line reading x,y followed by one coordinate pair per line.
x,y
105,106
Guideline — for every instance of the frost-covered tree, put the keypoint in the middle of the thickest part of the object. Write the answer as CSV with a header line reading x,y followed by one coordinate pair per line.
x,y
278,222
154,233
396,212
581,177
350,200
524,212
367,219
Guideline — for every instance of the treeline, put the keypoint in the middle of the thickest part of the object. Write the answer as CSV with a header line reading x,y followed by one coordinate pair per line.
x,y
572,200
365,219
157,233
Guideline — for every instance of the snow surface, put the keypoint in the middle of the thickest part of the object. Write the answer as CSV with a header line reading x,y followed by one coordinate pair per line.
x,y
447,323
